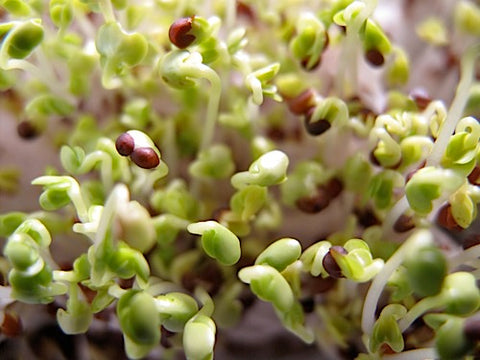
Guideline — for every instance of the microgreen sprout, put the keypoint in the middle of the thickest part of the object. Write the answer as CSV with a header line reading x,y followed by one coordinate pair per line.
x,y
198,161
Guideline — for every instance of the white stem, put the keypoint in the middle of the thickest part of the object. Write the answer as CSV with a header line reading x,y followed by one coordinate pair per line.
x,y
349,57
107,10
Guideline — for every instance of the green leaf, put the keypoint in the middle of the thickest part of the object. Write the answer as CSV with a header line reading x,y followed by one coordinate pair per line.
x,y
269,285
280,254
217,241
23,39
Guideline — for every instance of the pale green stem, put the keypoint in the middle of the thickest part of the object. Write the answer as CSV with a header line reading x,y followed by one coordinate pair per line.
x,y
107,10
349,56
379,282
106,166
118,196
204,298
66,276
36,72
213,105
75,195
116,291
455,111
212,113
418,310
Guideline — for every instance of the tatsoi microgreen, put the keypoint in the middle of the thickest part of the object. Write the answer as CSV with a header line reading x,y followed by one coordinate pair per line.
x,y
210,155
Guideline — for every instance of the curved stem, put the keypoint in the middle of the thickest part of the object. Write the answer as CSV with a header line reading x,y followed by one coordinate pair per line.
x,y
458,104
75,195
213,105
418,310
106,166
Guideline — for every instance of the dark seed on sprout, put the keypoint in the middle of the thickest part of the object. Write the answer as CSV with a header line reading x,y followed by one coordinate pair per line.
x,y
313,204
420,97
125,144
26,130
446,220
145,158
314,66
11,326
404,223
375,57
474,176
178,32
329,263
471,240
334,188
317,127
366,217
302,103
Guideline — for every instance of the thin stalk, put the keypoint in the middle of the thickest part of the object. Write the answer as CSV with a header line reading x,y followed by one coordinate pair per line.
x,y
106,9
212,107
349,56
454,114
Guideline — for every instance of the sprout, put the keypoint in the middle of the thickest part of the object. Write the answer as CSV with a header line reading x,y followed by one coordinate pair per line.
x,y
378,162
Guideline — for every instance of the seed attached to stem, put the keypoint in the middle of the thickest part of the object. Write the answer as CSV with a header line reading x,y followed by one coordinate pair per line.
x,y
317,127
375,57
404,223
125,144
446,219
420,97
302,103
178,32
145,158
329,263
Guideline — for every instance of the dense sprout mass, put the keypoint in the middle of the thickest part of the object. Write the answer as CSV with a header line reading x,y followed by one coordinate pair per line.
x,y
213,157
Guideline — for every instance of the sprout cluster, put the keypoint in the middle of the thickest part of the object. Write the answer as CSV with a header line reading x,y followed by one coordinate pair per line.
x,y
194,137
